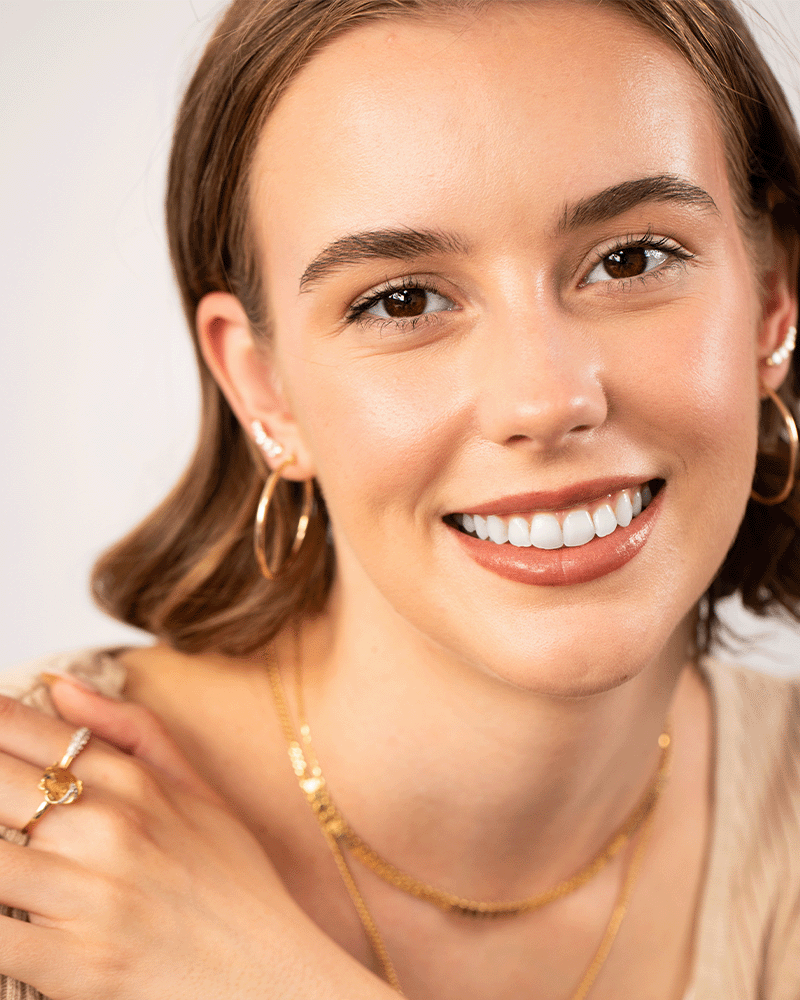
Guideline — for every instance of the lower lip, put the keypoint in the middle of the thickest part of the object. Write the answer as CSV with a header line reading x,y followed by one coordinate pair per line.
x,y
566,566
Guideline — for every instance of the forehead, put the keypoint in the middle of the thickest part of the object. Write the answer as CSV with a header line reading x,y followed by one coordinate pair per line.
x,y
521,107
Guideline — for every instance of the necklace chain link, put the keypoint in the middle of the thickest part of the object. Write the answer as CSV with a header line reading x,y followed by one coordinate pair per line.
x,y
338,833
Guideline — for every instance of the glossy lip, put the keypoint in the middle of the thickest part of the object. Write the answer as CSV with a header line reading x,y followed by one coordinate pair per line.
x,y
566,566
548,501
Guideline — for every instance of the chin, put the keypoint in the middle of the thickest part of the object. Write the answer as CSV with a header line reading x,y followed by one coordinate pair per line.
x,y
571,678
595,654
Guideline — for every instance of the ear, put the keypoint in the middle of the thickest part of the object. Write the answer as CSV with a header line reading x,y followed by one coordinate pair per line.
x,y
245,371
780,302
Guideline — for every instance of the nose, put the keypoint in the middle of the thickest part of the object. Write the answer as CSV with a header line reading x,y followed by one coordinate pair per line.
x,y
540,381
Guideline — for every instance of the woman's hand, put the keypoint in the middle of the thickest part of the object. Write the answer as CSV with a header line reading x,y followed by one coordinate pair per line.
x,y
147,885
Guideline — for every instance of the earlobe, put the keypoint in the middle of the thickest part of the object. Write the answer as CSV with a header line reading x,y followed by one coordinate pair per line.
x,y
244,369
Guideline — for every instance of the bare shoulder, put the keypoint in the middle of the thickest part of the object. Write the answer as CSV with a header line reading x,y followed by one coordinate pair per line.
x,y
203,685
219,709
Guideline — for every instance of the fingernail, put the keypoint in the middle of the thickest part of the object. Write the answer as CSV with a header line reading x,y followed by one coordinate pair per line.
x,y
50,679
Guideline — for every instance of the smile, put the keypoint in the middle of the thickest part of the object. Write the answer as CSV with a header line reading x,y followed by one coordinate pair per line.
x,y
570,528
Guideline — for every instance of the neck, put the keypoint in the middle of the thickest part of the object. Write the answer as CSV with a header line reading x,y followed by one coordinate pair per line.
x,y
467,781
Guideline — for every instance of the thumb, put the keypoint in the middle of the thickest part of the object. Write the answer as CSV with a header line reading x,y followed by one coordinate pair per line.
x,y
131,728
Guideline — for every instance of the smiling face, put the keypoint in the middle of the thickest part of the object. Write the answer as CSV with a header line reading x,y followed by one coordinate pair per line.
x,y
509,294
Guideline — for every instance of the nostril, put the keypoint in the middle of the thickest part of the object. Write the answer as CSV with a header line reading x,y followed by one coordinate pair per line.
x,y
542,410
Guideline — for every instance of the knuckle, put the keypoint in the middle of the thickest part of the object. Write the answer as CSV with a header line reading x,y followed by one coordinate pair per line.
x,y
133,780
120,909
137,781
117,828
106,963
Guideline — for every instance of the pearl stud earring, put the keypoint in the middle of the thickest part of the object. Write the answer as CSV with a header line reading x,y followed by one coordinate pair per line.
x,y
782,353
270,447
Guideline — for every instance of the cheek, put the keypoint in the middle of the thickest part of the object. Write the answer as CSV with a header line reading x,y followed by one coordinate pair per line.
x,y
699,392
378,427
719,379
713,398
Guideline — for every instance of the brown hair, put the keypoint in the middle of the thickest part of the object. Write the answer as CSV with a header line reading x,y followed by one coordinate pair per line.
x,y
187,574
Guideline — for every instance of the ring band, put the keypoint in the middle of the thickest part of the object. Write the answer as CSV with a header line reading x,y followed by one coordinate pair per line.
x,y
59,784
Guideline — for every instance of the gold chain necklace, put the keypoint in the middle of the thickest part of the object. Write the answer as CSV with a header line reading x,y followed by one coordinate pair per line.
x,y
336,830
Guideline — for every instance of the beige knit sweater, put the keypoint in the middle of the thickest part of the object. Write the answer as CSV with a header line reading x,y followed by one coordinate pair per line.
x,y
748,940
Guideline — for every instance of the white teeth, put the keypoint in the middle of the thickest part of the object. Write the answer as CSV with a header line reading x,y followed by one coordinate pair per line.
x,y
519,533
498,532
605,520
623,512
546,532
570,528
578,528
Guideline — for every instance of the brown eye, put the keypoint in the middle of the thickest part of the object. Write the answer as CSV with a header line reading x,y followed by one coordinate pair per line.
x,y
628,263
405,303
632,261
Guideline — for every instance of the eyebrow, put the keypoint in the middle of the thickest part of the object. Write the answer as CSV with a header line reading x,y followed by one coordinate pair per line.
x,y
409,244
380,244
621,198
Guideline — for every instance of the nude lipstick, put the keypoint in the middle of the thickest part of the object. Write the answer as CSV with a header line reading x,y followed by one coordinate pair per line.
x,y
579,534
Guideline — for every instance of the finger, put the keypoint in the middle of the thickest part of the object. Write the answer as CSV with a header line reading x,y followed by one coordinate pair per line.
x,y
43,884
20,795
40,740
30,735
26,954
131,728
58,829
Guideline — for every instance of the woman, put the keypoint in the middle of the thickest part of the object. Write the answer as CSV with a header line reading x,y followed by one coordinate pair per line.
x,y
487,297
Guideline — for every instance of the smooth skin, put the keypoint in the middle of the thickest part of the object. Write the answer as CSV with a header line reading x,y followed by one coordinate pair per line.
x,y
164,893
486,735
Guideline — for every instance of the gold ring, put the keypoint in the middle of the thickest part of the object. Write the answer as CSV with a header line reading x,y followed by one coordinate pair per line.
x,y
59,784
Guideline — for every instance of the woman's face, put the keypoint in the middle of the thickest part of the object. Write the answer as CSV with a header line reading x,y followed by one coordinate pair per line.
x,y
505,278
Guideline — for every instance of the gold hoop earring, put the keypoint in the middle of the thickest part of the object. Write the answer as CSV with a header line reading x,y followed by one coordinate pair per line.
x,y
260,527
792,435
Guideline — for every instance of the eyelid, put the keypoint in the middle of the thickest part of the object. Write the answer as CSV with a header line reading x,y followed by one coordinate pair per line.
x,y
387,287
648,240
357,309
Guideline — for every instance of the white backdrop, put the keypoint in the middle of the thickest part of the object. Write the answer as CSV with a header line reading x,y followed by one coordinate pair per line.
x,y
99,405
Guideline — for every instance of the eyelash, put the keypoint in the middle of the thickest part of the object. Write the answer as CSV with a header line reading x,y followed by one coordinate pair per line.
x,y
357,313
358,310
679,256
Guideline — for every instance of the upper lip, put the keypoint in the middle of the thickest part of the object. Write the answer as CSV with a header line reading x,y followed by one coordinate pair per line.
x,y
552,500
